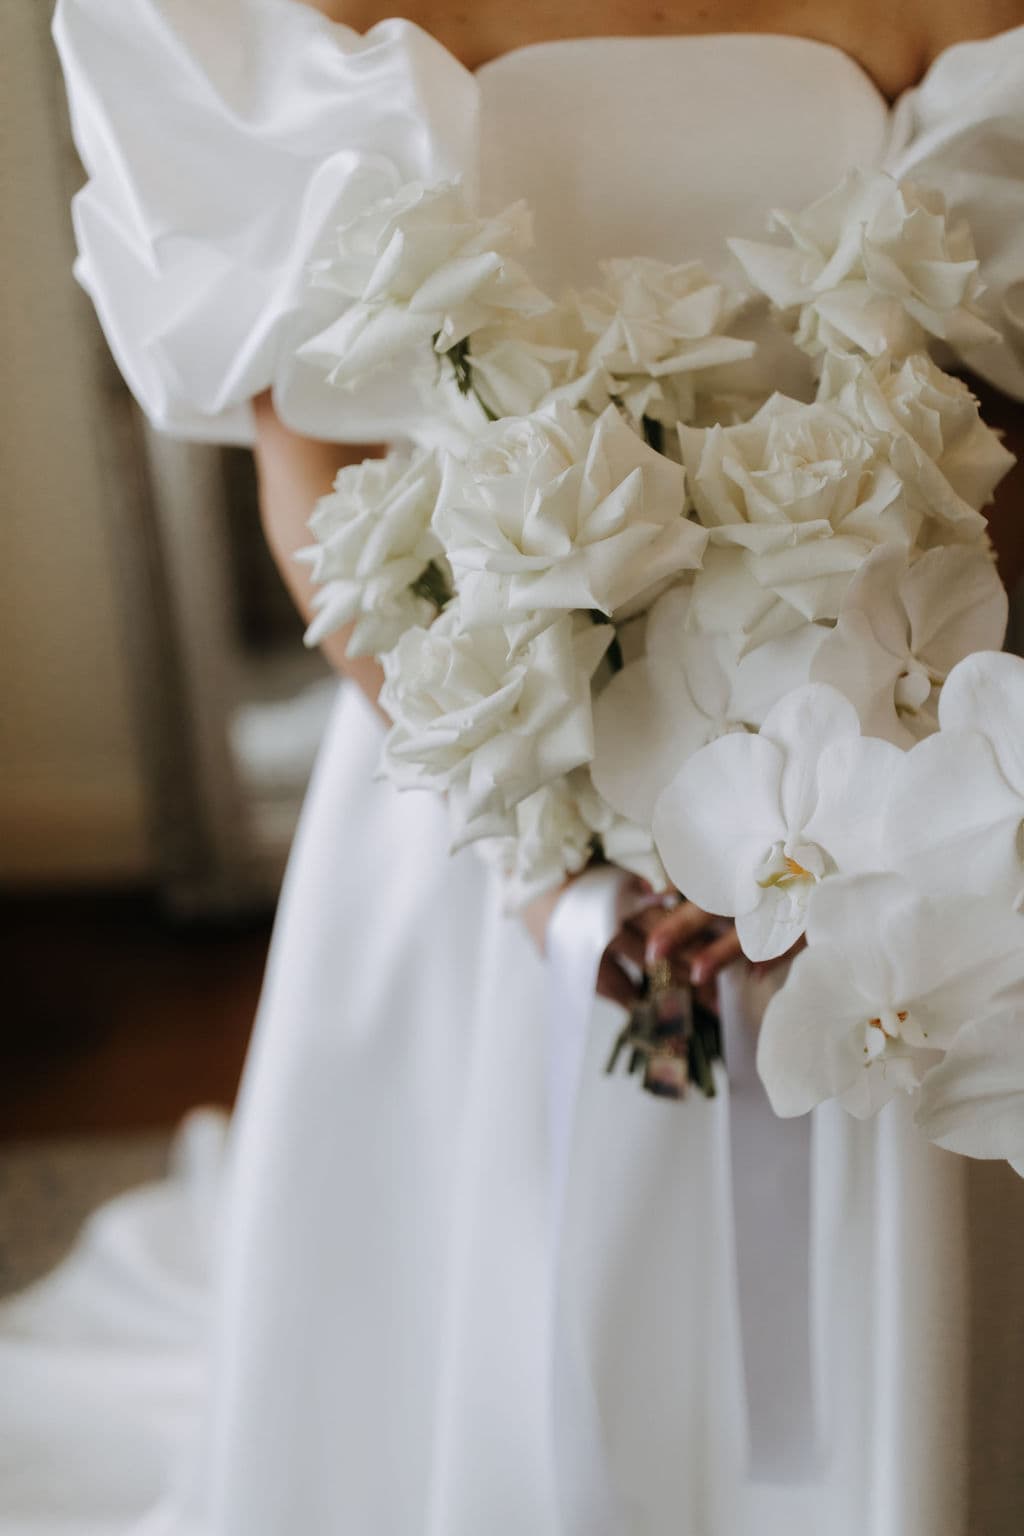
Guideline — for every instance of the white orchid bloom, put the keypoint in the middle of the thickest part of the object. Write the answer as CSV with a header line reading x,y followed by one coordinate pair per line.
x,y
554,512
956,818
686,691
902,628
973,1101
419,268
874,266
889,978
804,492
752,824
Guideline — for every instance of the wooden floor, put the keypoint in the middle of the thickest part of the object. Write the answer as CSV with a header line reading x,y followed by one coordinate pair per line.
x,y
115,1018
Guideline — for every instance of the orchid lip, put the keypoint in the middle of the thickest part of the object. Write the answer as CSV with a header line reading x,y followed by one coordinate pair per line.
x,y
780,869
913,688
881,1031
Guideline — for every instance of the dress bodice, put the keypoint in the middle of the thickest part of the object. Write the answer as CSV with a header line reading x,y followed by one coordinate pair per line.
x,y
196,257
666,146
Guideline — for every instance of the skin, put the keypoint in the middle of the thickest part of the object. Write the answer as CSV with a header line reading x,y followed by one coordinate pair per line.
x,y
894,45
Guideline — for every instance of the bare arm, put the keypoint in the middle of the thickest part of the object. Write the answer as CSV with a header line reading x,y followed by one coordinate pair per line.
x,y
293,473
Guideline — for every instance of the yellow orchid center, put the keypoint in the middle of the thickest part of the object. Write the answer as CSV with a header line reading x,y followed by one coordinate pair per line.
x,y
780,869
880,1031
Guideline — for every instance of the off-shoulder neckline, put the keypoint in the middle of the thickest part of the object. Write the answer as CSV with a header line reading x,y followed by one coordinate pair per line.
x,y
557,44
560,44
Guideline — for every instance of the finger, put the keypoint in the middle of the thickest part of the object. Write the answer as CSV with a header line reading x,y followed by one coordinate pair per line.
x,y
714,957
614,984
676,928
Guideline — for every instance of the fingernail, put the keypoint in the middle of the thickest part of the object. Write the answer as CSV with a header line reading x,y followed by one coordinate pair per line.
x,y
698,973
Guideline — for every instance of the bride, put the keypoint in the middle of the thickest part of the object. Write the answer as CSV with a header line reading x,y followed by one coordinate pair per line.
x,y
375,1352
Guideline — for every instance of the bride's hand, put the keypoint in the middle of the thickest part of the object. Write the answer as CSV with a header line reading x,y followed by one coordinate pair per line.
x,y
618,982
696,944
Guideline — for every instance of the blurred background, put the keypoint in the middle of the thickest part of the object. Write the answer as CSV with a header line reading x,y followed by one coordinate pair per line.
x,y
158,721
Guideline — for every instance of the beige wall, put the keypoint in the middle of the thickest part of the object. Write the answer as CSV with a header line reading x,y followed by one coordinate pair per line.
x,y
71,791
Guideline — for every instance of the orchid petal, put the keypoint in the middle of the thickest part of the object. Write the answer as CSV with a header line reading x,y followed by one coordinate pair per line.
x,y
801,725
854,779
956,842
639,743
715,819
973,1101
985,692
804,1054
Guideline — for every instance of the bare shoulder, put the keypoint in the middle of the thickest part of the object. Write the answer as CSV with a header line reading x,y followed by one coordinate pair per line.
x,y
951,22
473,32
360,15
345,11
894,44
330,8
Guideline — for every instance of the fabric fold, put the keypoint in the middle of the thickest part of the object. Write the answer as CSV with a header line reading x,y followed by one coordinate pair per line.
x,y
199,221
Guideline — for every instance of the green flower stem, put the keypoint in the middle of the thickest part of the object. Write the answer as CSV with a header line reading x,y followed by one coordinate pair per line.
x,y
461,360
432,585
654,434
614,651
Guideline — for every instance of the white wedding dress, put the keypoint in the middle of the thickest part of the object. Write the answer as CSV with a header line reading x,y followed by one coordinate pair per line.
x,y
348,1337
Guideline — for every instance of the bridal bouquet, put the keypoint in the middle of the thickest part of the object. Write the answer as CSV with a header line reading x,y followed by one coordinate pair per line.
x,y
698,583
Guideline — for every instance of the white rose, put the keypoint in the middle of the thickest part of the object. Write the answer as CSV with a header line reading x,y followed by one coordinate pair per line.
x,y
551,841
513,375
874,267
485,721
728,600
553,512
656,325
558,830
419,267
376,557
623,841
927,424
525,361
804,491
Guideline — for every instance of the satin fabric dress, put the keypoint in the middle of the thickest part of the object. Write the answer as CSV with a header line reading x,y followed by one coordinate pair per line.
x,y
339,1333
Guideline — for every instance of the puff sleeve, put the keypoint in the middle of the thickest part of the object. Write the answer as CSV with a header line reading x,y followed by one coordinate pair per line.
x,y
218,137
962,131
